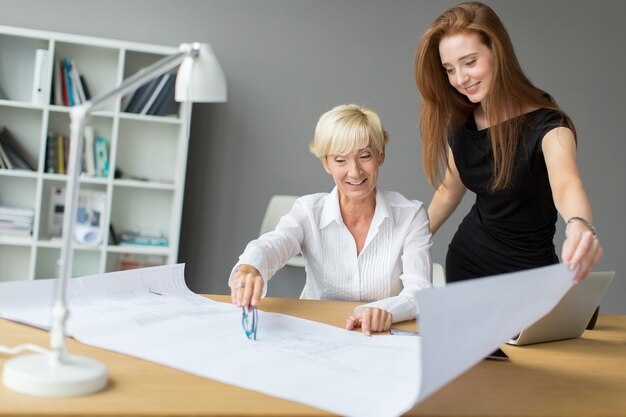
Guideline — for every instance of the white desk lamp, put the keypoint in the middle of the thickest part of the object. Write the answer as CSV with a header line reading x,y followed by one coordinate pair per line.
x,y
57,373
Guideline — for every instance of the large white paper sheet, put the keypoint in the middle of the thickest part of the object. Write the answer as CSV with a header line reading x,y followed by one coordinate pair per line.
x,y
463,322
151,314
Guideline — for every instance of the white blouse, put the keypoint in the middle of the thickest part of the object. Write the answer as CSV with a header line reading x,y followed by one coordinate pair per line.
x,y
393,265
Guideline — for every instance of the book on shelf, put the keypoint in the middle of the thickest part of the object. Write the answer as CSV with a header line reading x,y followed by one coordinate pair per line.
x,y
65,98
85,87
57,153
51,153
102,158
40,78
79,94
155,93
70,86
67,74
165,103
18,157
89,215
89,158
5,162
57,85
60,154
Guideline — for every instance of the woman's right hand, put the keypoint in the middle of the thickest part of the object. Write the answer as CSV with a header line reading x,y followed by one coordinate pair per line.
x,y
246,286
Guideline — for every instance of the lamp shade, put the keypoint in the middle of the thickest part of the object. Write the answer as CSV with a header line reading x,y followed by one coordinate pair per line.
x,y
200,78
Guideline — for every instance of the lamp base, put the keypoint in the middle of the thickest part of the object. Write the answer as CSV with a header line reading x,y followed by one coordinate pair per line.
x,y
35,375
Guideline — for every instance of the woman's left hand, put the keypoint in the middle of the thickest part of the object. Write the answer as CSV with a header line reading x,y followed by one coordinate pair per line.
x,y
581,250
371,319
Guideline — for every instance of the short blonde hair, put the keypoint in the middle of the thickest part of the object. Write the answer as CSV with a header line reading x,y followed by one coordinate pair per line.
x,y
346,128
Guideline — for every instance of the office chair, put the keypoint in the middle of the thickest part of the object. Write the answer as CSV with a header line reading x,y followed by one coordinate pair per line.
x,y
439,276
278,206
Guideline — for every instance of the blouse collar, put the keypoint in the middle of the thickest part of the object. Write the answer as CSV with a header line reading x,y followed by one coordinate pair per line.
x,y
331,211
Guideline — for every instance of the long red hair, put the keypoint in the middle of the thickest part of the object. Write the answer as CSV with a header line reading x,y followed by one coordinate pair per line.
x,y
444,109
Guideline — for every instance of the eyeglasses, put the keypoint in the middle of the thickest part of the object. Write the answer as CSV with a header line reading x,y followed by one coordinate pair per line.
x,y
249,322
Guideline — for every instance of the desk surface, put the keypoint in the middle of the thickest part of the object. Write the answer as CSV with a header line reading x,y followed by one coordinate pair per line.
x,y
581,377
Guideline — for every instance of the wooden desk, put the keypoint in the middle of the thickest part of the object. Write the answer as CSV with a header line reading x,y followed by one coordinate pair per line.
x,y
582,377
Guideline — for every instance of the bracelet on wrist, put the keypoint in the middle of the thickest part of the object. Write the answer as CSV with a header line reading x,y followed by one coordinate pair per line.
x,y
587,223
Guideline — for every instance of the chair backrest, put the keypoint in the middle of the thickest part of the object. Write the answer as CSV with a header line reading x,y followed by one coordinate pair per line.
x,y
439,276
278,206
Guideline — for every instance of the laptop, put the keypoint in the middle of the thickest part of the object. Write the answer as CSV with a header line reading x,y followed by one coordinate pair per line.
x,y
569,318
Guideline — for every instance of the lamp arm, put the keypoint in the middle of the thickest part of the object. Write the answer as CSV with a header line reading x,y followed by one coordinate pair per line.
x,y
78,118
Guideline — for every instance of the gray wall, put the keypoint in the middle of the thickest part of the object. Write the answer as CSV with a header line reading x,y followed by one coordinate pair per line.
x,y
287,61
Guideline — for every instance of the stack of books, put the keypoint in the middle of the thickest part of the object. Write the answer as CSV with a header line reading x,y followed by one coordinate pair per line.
x,y
70,87
156,97
16,221
143,238
13,155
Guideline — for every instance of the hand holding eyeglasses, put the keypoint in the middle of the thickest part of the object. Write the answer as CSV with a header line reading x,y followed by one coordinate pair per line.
x,y
246,286
370,320
249,322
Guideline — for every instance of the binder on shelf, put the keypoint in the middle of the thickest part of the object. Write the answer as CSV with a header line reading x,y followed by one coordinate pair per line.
x,y
141,96
18,156
55,212
40,78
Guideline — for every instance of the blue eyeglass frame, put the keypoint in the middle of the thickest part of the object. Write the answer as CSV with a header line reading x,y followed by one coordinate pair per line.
x,y
249,326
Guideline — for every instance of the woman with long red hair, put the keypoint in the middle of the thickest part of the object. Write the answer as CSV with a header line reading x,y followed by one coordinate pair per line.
x,y
485,127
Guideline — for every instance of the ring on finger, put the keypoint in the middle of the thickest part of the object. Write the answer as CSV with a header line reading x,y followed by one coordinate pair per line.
x,y
239,286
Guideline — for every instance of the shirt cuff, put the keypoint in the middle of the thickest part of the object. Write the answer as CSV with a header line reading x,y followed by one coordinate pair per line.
x,y
401,307
259,265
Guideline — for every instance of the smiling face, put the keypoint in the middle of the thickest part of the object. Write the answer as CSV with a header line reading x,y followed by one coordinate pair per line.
x,y
468,62
355,173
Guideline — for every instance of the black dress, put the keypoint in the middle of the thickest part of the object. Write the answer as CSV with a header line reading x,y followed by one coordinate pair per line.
x,y
511,229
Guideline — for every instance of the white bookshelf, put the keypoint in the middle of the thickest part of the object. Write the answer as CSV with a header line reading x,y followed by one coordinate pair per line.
x,y
151,151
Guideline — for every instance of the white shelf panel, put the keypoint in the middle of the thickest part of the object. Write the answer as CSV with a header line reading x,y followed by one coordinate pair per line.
x,y
18,173
139,249
20,104
56,244
154,119
15,240
65,109
144,184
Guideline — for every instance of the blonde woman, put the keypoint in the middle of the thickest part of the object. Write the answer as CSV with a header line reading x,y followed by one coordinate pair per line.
x,y
359,243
